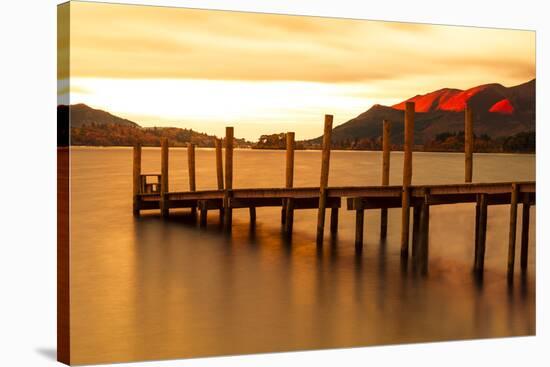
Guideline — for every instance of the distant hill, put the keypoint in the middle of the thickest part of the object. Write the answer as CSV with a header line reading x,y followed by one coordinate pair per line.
x,y
499,112
82,114
93,127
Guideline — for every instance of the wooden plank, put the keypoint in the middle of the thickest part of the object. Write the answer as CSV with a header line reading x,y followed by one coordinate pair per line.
x,y
468,144
136,178
468,188
482,235
325,166
301,203
512,230
407,177
164,177
386,146
197,195
525,232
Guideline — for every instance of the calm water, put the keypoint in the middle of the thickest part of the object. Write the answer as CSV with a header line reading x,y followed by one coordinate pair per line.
x,y
152,289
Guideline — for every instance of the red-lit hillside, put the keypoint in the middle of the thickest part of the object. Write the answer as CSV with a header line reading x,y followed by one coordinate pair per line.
x,y
504,106
487,97
498,112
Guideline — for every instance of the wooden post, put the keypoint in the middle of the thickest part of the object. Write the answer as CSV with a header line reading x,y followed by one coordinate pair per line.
x,y
164,177
423,235
288,205
136,178
512,232
219,169
482,234
191,170
203,217
468,143
219,163
386,146
525,231
252,212
416,227
359,220
407,177
325,165
228,177
334,220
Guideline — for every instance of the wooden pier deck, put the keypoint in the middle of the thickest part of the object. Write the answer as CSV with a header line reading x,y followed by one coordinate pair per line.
x,y
154,195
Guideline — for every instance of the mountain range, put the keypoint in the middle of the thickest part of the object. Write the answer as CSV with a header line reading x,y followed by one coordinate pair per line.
x,y
497,111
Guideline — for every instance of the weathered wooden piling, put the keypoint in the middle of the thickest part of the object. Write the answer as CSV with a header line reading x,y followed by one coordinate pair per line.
x,y
524,231
325,166
219,170
479,260
423,234
359,221
136,177
407,177
191,171
386,146
468,144
288,204
512,231
164,177
228,213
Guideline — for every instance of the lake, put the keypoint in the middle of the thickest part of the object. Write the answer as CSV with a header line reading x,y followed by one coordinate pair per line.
x,y
145,288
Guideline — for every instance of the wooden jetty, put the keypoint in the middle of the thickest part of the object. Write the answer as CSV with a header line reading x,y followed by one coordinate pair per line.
x,y
150,191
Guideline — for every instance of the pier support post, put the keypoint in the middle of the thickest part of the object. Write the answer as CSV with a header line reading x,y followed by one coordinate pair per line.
x,y
525,231
386,146
334,220
481,235
416,227
288,204
325,165
203,217
468,144
136,178
228,177
407,177
219,169
359,221
289,215
164,177
512,231
423,235
191,170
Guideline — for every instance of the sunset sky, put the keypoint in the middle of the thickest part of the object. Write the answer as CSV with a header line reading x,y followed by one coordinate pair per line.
x,y
264,73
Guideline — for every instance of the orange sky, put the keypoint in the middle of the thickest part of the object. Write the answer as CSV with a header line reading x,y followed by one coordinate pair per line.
x,y
265,73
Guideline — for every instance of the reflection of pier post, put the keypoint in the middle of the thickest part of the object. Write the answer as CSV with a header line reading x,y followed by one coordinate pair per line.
x,y
228,177
136,178
407,177
325,165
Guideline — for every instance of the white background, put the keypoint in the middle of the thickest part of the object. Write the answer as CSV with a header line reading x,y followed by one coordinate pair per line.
x,y
28,182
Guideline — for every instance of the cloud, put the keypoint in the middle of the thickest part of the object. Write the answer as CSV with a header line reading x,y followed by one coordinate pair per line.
x,y
121,41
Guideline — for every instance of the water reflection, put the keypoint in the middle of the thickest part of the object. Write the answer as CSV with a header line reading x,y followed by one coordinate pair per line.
x,y
148,288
